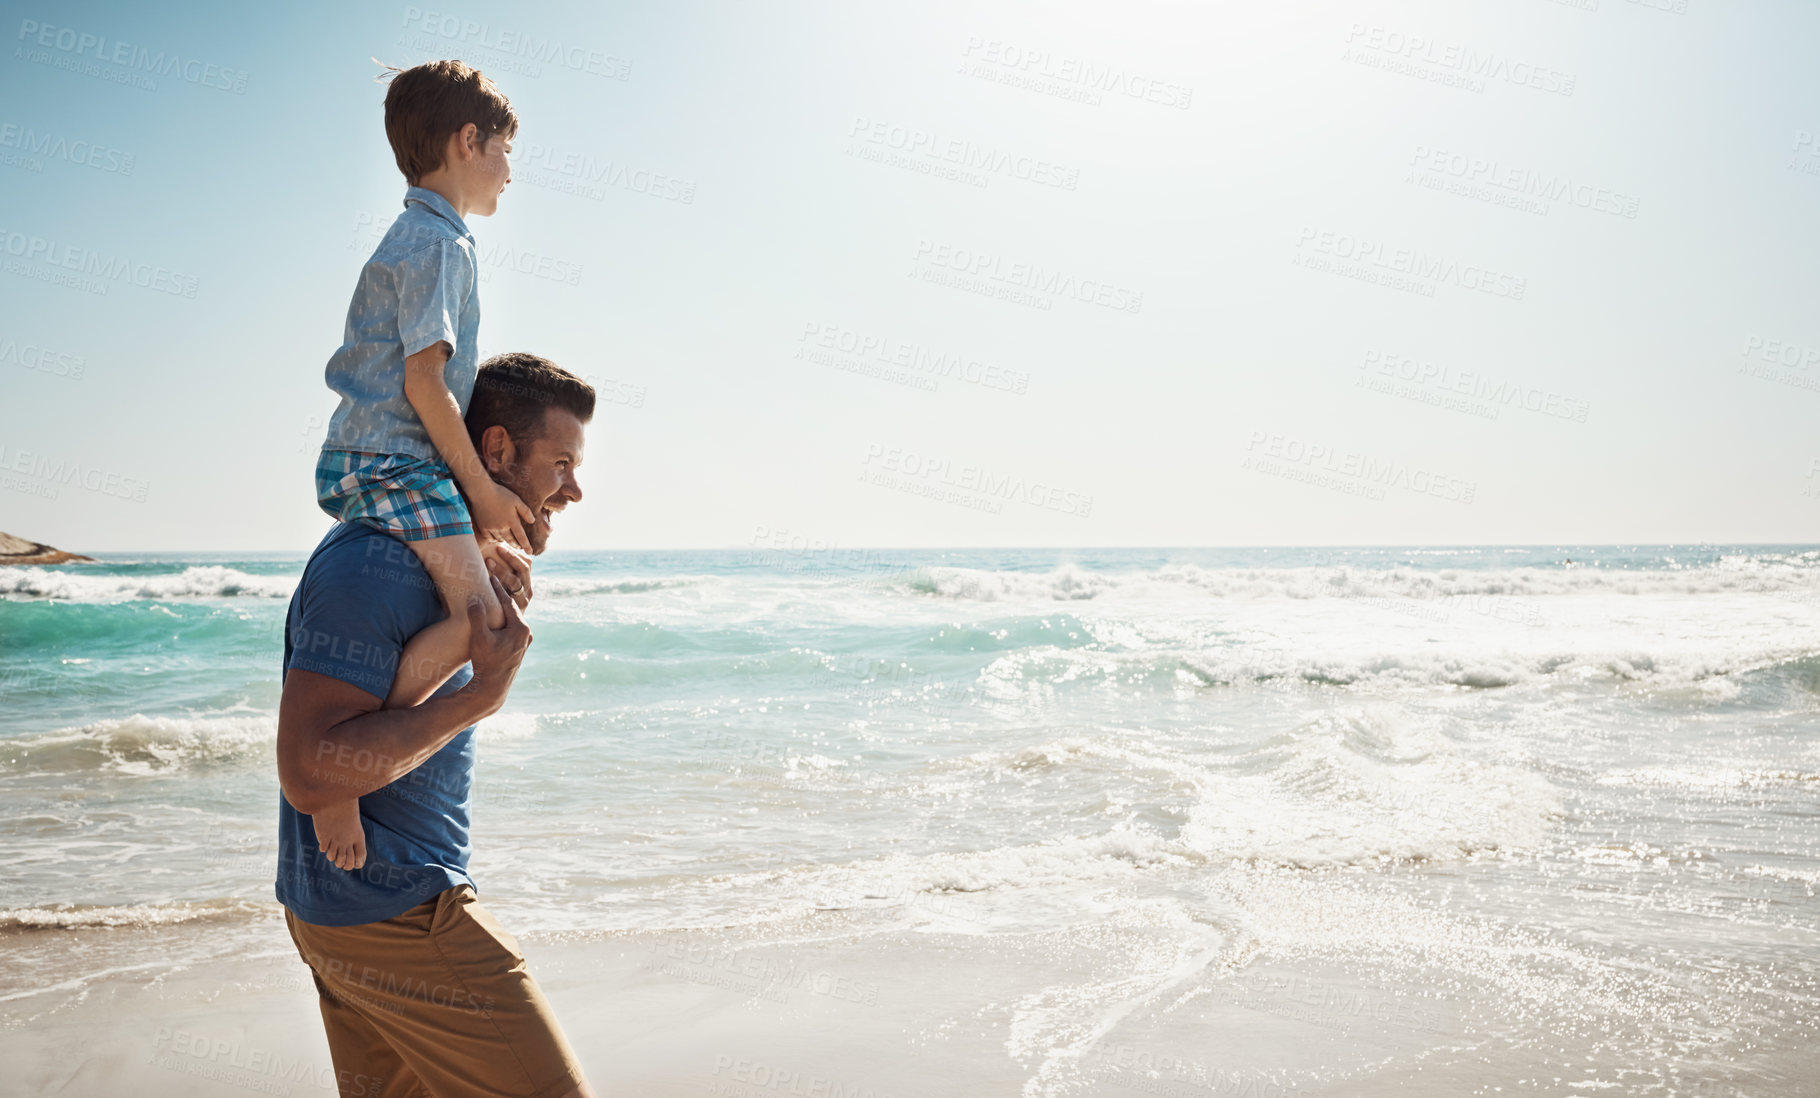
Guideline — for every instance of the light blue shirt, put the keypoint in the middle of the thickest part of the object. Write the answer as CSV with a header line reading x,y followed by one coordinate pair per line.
x,y
419,288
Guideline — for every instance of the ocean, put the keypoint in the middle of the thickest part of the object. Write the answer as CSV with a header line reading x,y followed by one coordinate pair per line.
x,y
1519,820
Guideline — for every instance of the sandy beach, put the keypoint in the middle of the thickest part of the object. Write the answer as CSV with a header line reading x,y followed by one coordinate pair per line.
x,y
833,1008
830,1014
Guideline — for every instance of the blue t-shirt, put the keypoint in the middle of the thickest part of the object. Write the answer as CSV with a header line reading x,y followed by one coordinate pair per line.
x,y
419,288
362,596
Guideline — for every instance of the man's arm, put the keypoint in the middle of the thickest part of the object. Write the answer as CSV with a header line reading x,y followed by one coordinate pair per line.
x,y
335,743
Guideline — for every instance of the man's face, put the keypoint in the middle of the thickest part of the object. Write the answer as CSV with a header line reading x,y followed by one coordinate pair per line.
x,y
542,471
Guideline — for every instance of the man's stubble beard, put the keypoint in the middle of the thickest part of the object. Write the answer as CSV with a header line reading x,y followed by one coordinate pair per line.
x,y
536,533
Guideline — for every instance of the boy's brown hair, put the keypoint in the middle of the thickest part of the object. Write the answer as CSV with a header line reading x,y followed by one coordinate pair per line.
x,y
427,103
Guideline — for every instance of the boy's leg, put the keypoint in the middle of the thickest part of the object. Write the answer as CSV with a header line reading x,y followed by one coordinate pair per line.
x,y
340,835
429,658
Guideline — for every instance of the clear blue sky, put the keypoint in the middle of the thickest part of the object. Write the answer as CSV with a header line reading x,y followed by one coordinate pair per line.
x,y
1220,249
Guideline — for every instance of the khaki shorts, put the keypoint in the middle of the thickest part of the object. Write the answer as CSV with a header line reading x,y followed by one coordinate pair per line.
x,y
435,1002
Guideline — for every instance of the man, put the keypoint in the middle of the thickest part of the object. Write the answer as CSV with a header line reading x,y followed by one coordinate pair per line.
x,y
421,991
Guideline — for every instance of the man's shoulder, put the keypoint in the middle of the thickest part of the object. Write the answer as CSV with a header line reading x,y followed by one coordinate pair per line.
x,y
359,564
361,597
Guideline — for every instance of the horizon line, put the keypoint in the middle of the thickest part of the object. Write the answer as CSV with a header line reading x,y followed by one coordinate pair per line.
x,y
1063,548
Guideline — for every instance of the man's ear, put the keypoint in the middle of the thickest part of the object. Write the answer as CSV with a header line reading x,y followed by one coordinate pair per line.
x,y
469,138
496,449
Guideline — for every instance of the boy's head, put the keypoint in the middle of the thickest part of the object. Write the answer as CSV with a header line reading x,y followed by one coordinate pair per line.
x,y
445,119
525,419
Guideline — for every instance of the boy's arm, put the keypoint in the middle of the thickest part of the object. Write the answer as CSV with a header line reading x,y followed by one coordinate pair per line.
x,y
497,510
435,286
335,743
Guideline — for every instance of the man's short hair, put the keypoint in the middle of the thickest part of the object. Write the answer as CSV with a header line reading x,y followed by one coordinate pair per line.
x,y
515,389
427,103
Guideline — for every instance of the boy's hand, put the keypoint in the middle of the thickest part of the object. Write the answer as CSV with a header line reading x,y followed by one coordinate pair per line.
x,y
511,566
499,514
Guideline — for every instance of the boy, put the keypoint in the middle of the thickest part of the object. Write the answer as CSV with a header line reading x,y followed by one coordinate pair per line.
x,y
397,456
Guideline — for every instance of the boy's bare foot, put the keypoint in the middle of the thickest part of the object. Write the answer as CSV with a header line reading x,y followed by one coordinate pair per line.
x,y
340,835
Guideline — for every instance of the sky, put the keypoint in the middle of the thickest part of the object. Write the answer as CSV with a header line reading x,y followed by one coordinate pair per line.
x,y
951,274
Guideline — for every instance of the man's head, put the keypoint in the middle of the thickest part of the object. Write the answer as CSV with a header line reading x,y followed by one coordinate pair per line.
x,y
526,419
451,127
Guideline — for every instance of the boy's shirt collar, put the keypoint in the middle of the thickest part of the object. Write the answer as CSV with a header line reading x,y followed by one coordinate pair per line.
x,y
438,205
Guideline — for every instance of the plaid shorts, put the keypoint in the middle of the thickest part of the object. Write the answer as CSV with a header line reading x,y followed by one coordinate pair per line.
x,y
411,498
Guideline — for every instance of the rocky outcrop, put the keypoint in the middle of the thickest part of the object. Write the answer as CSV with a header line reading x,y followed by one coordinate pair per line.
x,y
19,551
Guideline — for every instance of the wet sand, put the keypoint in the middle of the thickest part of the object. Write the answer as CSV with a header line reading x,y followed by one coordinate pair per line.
x,y
830,1009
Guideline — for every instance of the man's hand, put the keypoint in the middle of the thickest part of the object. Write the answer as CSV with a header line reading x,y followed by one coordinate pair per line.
x,y
511,566
496,653
499,514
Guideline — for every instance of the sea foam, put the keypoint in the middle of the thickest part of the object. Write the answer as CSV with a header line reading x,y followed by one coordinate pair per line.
x,y
204,581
